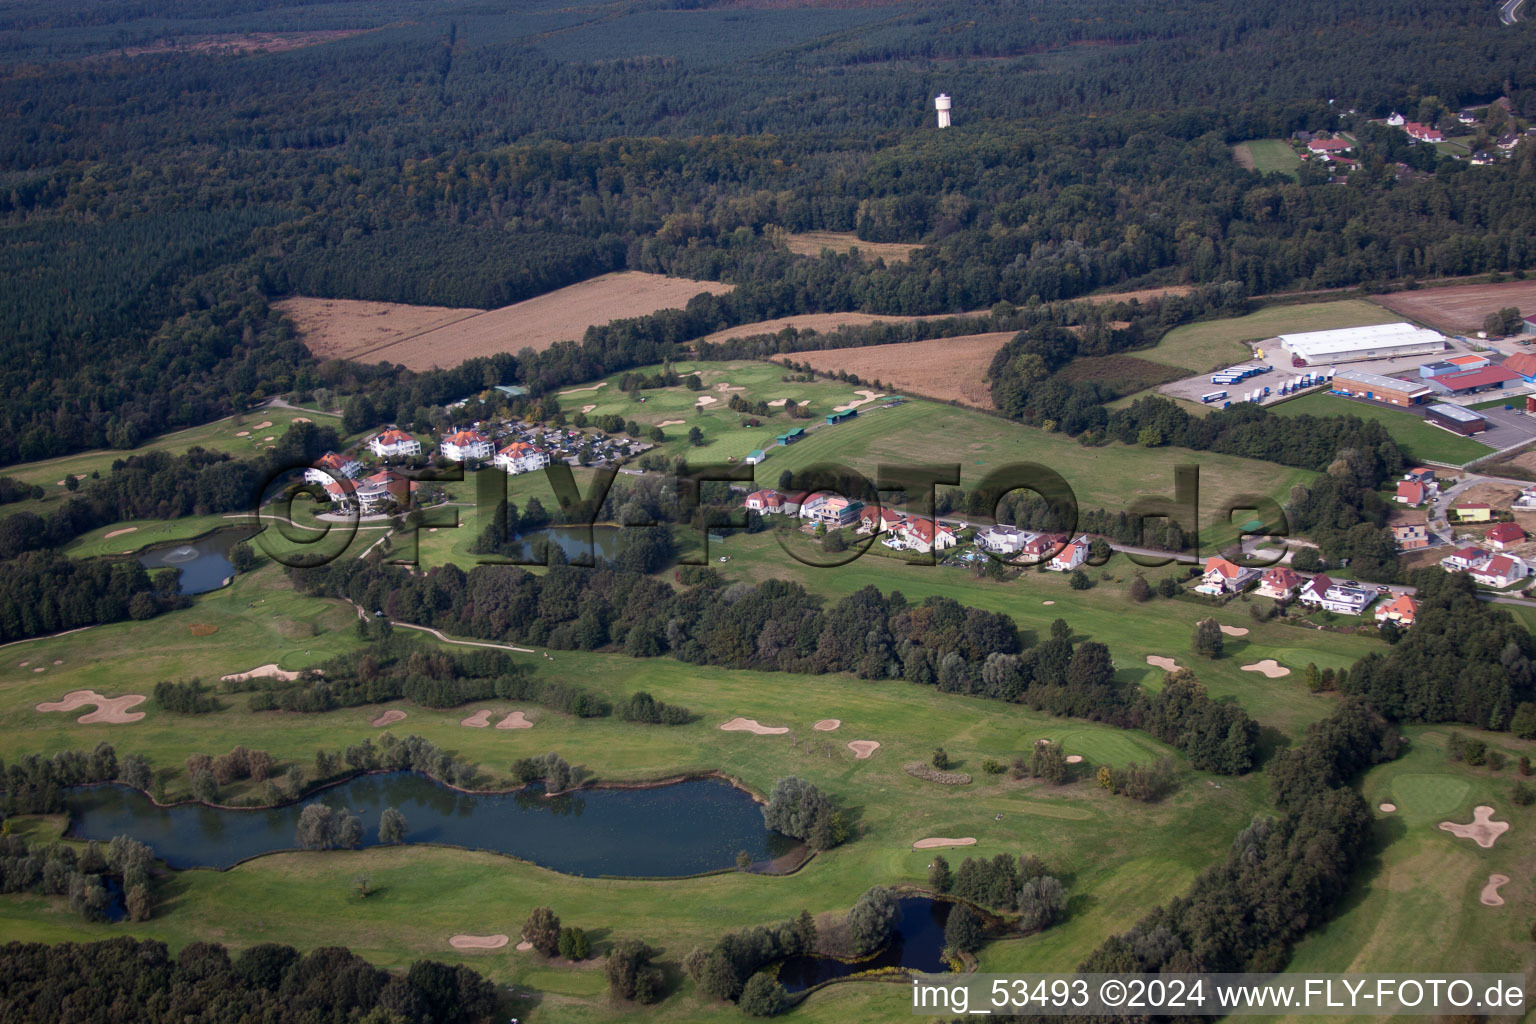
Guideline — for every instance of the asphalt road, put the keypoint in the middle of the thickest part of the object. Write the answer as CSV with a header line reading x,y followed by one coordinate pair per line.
x,y
1509,11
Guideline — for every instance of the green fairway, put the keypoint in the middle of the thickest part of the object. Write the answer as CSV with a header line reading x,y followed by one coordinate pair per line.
x,y
1210,344
1424,442
1268,156
1427,796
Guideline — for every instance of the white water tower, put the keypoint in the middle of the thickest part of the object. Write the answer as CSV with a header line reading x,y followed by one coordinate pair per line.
x,y
941,103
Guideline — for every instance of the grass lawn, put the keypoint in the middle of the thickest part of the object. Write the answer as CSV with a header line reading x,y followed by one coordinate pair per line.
x,y
1425,442
1120,857
1416,907
1267,156
1210,344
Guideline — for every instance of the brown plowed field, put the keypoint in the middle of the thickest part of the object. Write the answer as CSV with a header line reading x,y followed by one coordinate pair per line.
x,y
949,369
421,337
810,243
1460,309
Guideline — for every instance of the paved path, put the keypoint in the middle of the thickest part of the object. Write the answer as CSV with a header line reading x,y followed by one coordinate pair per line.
x,y
1509,11
466,643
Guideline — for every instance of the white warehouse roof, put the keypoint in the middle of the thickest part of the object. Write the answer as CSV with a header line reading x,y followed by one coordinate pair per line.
x,y
1325,344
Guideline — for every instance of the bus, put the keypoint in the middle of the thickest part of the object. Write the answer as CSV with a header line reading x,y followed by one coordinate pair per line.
x,y
1214,396
1225,378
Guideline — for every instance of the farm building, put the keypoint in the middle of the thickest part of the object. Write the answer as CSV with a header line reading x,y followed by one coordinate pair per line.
x,y
1348,344
1377,388
1455,418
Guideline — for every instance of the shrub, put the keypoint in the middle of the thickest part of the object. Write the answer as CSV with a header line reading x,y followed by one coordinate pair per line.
x,y
872,920
763,996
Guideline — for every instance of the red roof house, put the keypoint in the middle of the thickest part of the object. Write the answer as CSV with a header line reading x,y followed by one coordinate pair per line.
x,y
1504,535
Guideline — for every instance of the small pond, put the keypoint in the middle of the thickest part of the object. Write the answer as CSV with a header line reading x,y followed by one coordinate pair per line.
x,y
680,829
573,541
917,946
204,563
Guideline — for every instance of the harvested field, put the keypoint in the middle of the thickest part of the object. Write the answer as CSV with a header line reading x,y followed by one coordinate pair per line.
x,y
948,369
446,336
1459,308
937,843
810,243
822,323
1140,294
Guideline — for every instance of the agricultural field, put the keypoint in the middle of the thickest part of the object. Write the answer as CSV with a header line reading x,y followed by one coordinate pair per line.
x,y
947,369
1460,309
438,336
811,243
824,322
1425,442
1267,156
1210,344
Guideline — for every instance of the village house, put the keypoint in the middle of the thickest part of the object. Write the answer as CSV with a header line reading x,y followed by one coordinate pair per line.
x,y
394,443
1410,536
1402,610
1224,577
1464,559
466,446
925,535
1071,556
331,466
1504,536
771,503
376,493
1422,132
1336,597
1472,512
1527,498
520,457
1327,148
1280,583
878,520
832,510
1422,475
1411,492
1501,571
1002,540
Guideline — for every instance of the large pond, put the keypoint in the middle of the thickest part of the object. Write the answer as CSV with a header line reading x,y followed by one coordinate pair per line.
x,y
204,563
573,542
917,946
681,829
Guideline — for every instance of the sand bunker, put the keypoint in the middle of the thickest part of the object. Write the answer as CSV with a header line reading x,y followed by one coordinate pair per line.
x,y
728,386
1387,808
1483,831
1166,664
751,725
270,437
41,668
514,721
706,400
827,724
110,710
263,425
1047,602
670,423
478,720
524,946
1234,630
934,844
1490,896
587,408
119,533
779,403
1074,759
867,397
863,748
302,419
1270,667
389,717
58,661
478,941
577,391
269,669
242,433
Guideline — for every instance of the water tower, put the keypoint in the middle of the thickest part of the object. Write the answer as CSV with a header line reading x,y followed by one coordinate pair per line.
x,y
941,103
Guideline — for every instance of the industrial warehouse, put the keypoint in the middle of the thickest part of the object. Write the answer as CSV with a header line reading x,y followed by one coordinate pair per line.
x,y
1377,388
1351,344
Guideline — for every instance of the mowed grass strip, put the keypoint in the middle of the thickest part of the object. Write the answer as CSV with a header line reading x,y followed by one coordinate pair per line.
x,y
1427,443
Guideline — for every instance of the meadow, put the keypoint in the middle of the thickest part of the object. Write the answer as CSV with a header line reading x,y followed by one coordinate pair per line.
x,y
1427,443
1268,156
1210,344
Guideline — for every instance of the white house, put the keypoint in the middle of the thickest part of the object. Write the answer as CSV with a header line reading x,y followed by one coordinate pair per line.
x,y
1527,498
466,446
1501,571
1279,583
1403,611
376,492
1224,577
1071,556
1464,559
877,521
1002,540
831,510
926,535
520,457
1336,597
394,443
331,466
770,503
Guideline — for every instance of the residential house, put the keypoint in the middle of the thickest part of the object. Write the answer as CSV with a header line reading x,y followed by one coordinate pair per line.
x,y
1411,492
394,443
466,446
1396,120
1473,512
878,520
772,503
1327,148
1224,577
1336,597
1280,583
1528,324
1509,142
1467,117
1071,556
832,510
1002,540
520,457
1410,536
1504,536
331,466
1402,610
926,535
1422,132
1465,559
1527,498
1421,474
1501,571
1038,545
1482,158
377,492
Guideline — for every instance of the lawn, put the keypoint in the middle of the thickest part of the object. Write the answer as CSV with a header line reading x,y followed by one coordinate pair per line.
x,y
1268,156
1426,443
1210,344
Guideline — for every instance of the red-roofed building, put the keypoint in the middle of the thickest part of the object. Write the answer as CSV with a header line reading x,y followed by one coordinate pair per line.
x,y
331,466
1505,535
379,491
1071,556
1411,492
1469,361
1279,583
1501,571
466,445
1401,610
1523,363
925,535
1329,147
394,443
1489,378
1224,577
1422,132
771,503
878,520
1037,546
1463,559
520,457
1473,512
1410,536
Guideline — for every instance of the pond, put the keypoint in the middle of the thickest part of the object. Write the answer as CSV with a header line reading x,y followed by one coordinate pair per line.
x,y
572,541
917,946
204,563
679,829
